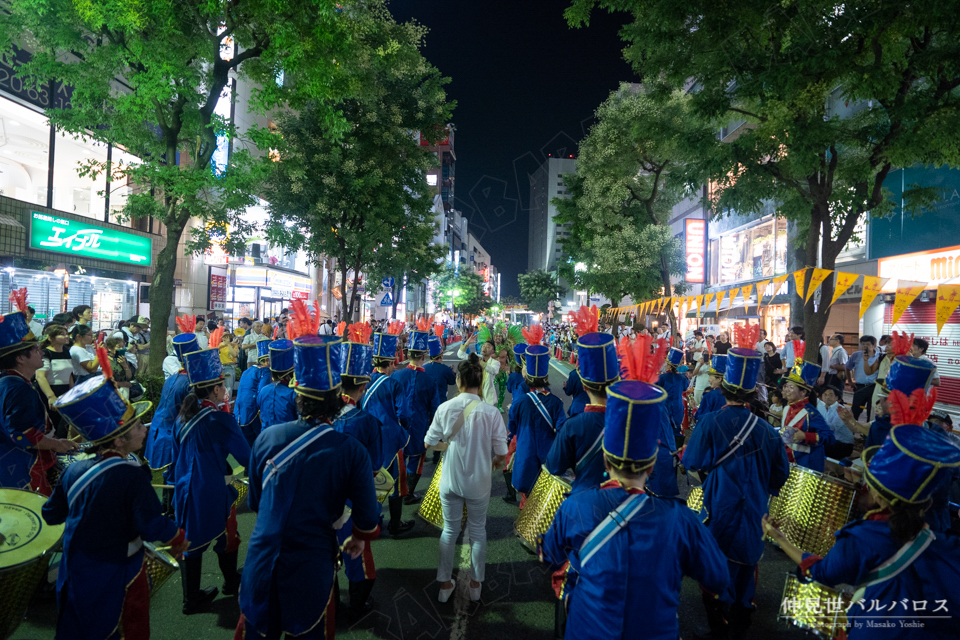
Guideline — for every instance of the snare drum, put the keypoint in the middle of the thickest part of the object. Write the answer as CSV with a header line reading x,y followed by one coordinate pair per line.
x,y
158,480
242,485
26,544
64,460
160,566
811,507
430,510
542,504
814,607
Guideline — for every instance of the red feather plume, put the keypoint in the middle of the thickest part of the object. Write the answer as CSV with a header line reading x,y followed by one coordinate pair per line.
x,y
215,337
533,335
359,332
341,327
747,335
187,324
438,329
900,343
423,324
103,358
395,328
18,298
709,347
276,331
303,322
913,410
643,359
798,346
586,320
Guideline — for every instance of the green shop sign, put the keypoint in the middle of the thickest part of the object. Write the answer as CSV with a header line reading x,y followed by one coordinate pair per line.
x,y
53,233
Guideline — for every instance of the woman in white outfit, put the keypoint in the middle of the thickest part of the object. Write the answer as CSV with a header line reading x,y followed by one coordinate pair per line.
x,y
472,433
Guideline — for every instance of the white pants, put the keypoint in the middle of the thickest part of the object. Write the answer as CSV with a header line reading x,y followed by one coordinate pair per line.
x,y
452,506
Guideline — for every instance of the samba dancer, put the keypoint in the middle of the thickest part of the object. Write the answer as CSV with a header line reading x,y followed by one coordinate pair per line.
x,y
255,378
109,509
27,445
803,425
203,501
622,580
674,383
745,463
276,400
292,556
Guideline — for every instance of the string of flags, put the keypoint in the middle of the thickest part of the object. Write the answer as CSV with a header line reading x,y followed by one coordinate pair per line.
x,y
808,280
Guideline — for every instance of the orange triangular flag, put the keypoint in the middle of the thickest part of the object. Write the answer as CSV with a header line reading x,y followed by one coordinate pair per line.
x,y
871,287
707,299
777,285
761,290
843,282
699,304
800,277
733,297
819,275
745,292
907,292
720,296
948,297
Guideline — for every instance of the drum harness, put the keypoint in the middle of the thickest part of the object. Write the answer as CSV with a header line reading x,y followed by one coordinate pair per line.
x,y
611,525
383,482
799,448
735,444
542,409
371,390
88,476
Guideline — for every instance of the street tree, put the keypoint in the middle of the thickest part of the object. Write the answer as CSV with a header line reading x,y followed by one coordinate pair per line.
x,y
824,101
149,76
463,288
363,197
538,288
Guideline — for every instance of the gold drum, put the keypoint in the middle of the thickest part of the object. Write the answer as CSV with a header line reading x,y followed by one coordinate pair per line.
x,y
811,507
160,566
695,499
430,510
540,508
814,607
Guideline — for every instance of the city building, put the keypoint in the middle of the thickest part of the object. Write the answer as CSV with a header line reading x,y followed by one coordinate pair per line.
x,y
546,183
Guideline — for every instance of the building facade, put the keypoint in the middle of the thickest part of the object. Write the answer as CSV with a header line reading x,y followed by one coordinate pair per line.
x,y
546,183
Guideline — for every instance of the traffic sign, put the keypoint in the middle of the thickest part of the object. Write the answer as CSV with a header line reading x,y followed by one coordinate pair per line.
x,y
388,283
386,300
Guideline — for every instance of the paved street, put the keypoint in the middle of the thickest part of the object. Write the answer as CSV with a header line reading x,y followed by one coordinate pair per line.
x,y
517,600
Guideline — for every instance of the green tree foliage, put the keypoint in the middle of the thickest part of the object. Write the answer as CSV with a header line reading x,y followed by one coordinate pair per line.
x,y
538,288
363,198
824,100
151,75
463,288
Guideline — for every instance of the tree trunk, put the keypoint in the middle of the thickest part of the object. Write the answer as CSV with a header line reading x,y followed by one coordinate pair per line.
x,y
396,298
668,292
344,298
616,319
161,296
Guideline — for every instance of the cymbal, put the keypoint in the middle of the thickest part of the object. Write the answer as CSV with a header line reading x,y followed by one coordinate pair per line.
x,y
24,535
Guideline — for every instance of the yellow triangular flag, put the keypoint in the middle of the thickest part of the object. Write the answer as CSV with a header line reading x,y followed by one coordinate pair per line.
x,y
800,277
745,292
707,299
720,296
907,292
843,282
699,304
948,297
777,285
819,275
733,297
871,287
761,289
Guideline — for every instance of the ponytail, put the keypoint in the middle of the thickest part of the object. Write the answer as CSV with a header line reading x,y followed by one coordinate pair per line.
x,y
190,406
906,520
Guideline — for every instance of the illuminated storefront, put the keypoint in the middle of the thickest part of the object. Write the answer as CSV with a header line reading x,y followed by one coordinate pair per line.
x,y
753,252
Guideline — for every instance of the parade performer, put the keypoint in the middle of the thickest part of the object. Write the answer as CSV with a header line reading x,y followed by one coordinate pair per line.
x,y
253,379
441,374
420,400
674,383
890,555
491,366
302,474
579,443
159,448
356,366
804,431
109,509
713,399
516,385
573,387
277,401
383,400
203,501
27,443
627,550
906,375
535,419
745,463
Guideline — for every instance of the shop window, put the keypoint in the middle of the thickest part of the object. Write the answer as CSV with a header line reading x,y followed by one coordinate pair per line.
x,y
44,291
750,254
73,193
121,187
111,300
24,153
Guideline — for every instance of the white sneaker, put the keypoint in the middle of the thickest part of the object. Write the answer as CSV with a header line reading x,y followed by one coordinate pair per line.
x,y
445,594
475,593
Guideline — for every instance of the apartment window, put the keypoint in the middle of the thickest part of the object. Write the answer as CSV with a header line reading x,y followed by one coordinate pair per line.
x,y
74,193
24,153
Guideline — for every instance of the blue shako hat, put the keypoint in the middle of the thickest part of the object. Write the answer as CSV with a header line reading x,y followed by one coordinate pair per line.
x,y
281,356
434,346
203,368
356,360
520,353
907,374
97,410
316,363
418,341
537,362
907,465
742,368
385,345
632,424
718,365
597,355
675,357
804,374
15,334
185,343
263,349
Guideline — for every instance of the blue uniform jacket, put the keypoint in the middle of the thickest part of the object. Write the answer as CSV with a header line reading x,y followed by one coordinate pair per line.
x,y
711,401
366,429
201,498
442,375
277,403
931,582
293,549
631,587
116,508
383,402
22,422
159,447
516,385
574,387
879,430
419,401
573,441
663,480
245,408
534,436
814,422
736,494
674,384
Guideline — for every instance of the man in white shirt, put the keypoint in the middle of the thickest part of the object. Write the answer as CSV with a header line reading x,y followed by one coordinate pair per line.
x,y
835,363
491,367
254,335
35,327
326,329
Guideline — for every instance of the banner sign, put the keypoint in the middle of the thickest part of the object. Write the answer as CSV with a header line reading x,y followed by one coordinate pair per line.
x,y
60,235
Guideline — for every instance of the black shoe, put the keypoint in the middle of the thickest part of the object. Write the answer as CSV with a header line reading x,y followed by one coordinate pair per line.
x,y
231,575
405,526
194,598
199,603
231,586
397,525
411,498
360,602
413,479
510,499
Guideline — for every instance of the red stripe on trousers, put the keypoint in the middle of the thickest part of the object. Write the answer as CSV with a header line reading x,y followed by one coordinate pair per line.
x,y
135,616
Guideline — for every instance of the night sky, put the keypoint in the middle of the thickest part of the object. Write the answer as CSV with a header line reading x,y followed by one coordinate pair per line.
x,y
526,85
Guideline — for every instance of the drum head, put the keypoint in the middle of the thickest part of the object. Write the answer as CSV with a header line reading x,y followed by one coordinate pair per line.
x,y
24,536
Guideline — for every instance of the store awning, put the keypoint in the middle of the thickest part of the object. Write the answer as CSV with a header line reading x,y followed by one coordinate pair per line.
x,y
7,221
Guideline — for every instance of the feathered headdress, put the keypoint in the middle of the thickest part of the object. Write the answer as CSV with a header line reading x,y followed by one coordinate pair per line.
x,y
747,335
438,329
798,349
276,331
359,332
341,327
18,298
215,337
483,334
423,324
913,410
586,320
303,322
395,328
900,344
103,358
643,359
187,324
515,334
533,335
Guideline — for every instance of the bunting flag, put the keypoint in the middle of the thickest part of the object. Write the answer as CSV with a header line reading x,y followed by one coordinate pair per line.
x,y
800,277
907,292
777,285
707,299
871,287
720,296
761,290
843,282
733,297
746,294
948,297
699,299
819,275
